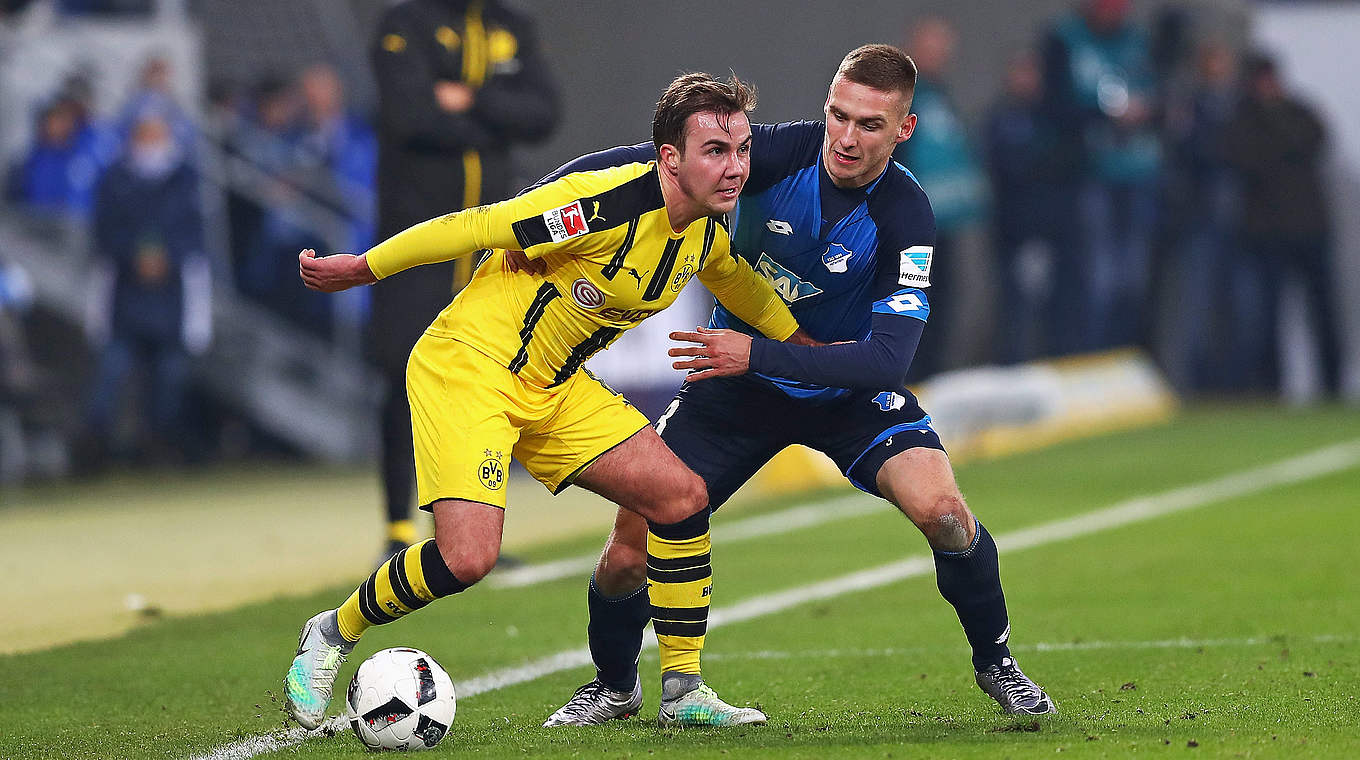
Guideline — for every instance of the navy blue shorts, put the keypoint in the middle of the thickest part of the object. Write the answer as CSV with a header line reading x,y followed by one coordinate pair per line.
x,y
727,428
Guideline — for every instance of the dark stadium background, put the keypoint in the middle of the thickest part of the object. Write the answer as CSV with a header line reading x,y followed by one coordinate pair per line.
x,y
271,392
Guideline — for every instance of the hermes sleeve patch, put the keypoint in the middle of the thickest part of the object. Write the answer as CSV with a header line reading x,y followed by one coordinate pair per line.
x,y
914,270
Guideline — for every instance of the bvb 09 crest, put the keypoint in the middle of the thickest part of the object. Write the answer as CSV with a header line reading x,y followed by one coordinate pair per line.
x,y
682,277
492,473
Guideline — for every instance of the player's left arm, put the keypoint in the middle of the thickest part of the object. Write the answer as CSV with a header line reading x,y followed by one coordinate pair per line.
x,y
878,362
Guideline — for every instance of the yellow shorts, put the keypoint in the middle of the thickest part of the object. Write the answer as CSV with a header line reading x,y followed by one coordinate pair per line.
x,y
469,415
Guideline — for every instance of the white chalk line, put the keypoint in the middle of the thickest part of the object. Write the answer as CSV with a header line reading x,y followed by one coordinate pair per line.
x,y
783,521
1043,646
1315,464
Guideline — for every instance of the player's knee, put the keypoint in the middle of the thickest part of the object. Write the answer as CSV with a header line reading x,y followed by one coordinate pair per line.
x,y
947,523
469,564
685,500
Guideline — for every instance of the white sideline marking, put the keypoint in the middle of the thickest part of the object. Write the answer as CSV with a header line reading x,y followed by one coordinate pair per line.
x,y
1315,464
1043,646
783,521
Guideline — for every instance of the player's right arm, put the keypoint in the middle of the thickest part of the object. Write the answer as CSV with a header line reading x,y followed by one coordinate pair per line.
x,y
443,238
448,237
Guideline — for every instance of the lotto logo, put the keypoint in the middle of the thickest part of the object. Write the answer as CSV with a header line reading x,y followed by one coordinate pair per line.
x,y
566,222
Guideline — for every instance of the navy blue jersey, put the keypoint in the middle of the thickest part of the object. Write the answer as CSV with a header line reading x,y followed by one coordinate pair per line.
x,y
851,264
835,271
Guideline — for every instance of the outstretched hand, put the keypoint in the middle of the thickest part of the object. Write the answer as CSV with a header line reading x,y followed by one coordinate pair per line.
x,y
334,273
720,353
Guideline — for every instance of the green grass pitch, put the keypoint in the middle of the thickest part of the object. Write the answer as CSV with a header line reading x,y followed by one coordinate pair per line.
x,y
1226,630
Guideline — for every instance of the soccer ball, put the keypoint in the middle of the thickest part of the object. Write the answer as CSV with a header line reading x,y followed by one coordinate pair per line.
x,y
400,699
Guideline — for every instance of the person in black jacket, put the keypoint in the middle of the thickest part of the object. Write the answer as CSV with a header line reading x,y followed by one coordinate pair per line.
x,y
459,83
1276,143
1024,162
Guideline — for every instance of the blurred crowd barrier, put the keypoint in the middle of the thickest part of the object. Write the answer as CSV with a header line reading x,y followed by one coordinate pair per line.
x,y
1143,176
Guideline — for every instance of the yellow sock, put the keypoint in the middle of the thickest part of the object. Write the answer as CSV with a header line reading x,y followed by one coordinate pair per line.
x,y
681,582
411,579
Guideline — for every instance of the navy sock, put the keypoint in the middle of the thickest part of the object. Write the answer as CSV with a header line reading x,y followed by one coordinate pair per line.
x,y
971,581
615,633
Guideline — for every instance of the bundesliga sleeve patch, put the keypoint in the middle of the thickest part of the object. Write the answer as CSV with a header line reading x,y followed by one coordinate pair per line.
x,y
914,270
566,222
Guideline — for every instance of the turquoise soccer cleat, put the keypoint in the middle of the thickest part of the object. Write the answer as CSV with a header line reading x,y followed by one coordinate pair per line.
x,y
701,706
307,687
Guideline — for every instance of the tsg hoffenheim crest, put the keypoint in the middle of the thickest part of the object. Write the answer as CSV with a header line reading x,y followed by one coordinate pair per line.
x,y
836,257
889,401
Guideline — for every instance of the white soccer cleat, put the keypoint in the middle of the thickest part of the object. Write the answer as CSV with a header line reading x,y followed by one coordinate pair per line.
x,y
1013,690
701,706
596,704
307,687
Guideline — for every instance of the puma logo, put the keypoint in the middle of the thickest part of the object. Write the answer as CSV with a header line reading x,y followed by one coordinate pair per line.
x,y
636,276
596,213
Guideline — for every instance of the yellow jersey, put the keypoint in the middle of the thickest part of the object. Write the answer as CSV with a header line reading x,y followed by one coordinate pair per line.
x,y
612,261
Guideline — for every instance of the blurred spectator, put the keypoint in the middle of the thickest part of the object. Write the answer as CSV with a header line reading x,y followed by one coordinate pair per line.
x,y
231,110
270,137
267,272
1277,142
12,7
1099,82
344,150
58,174
155,91
18,376
97,137
1022,156
84,7
941,157
345,146
1207,258
151,288
459,83
17,372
